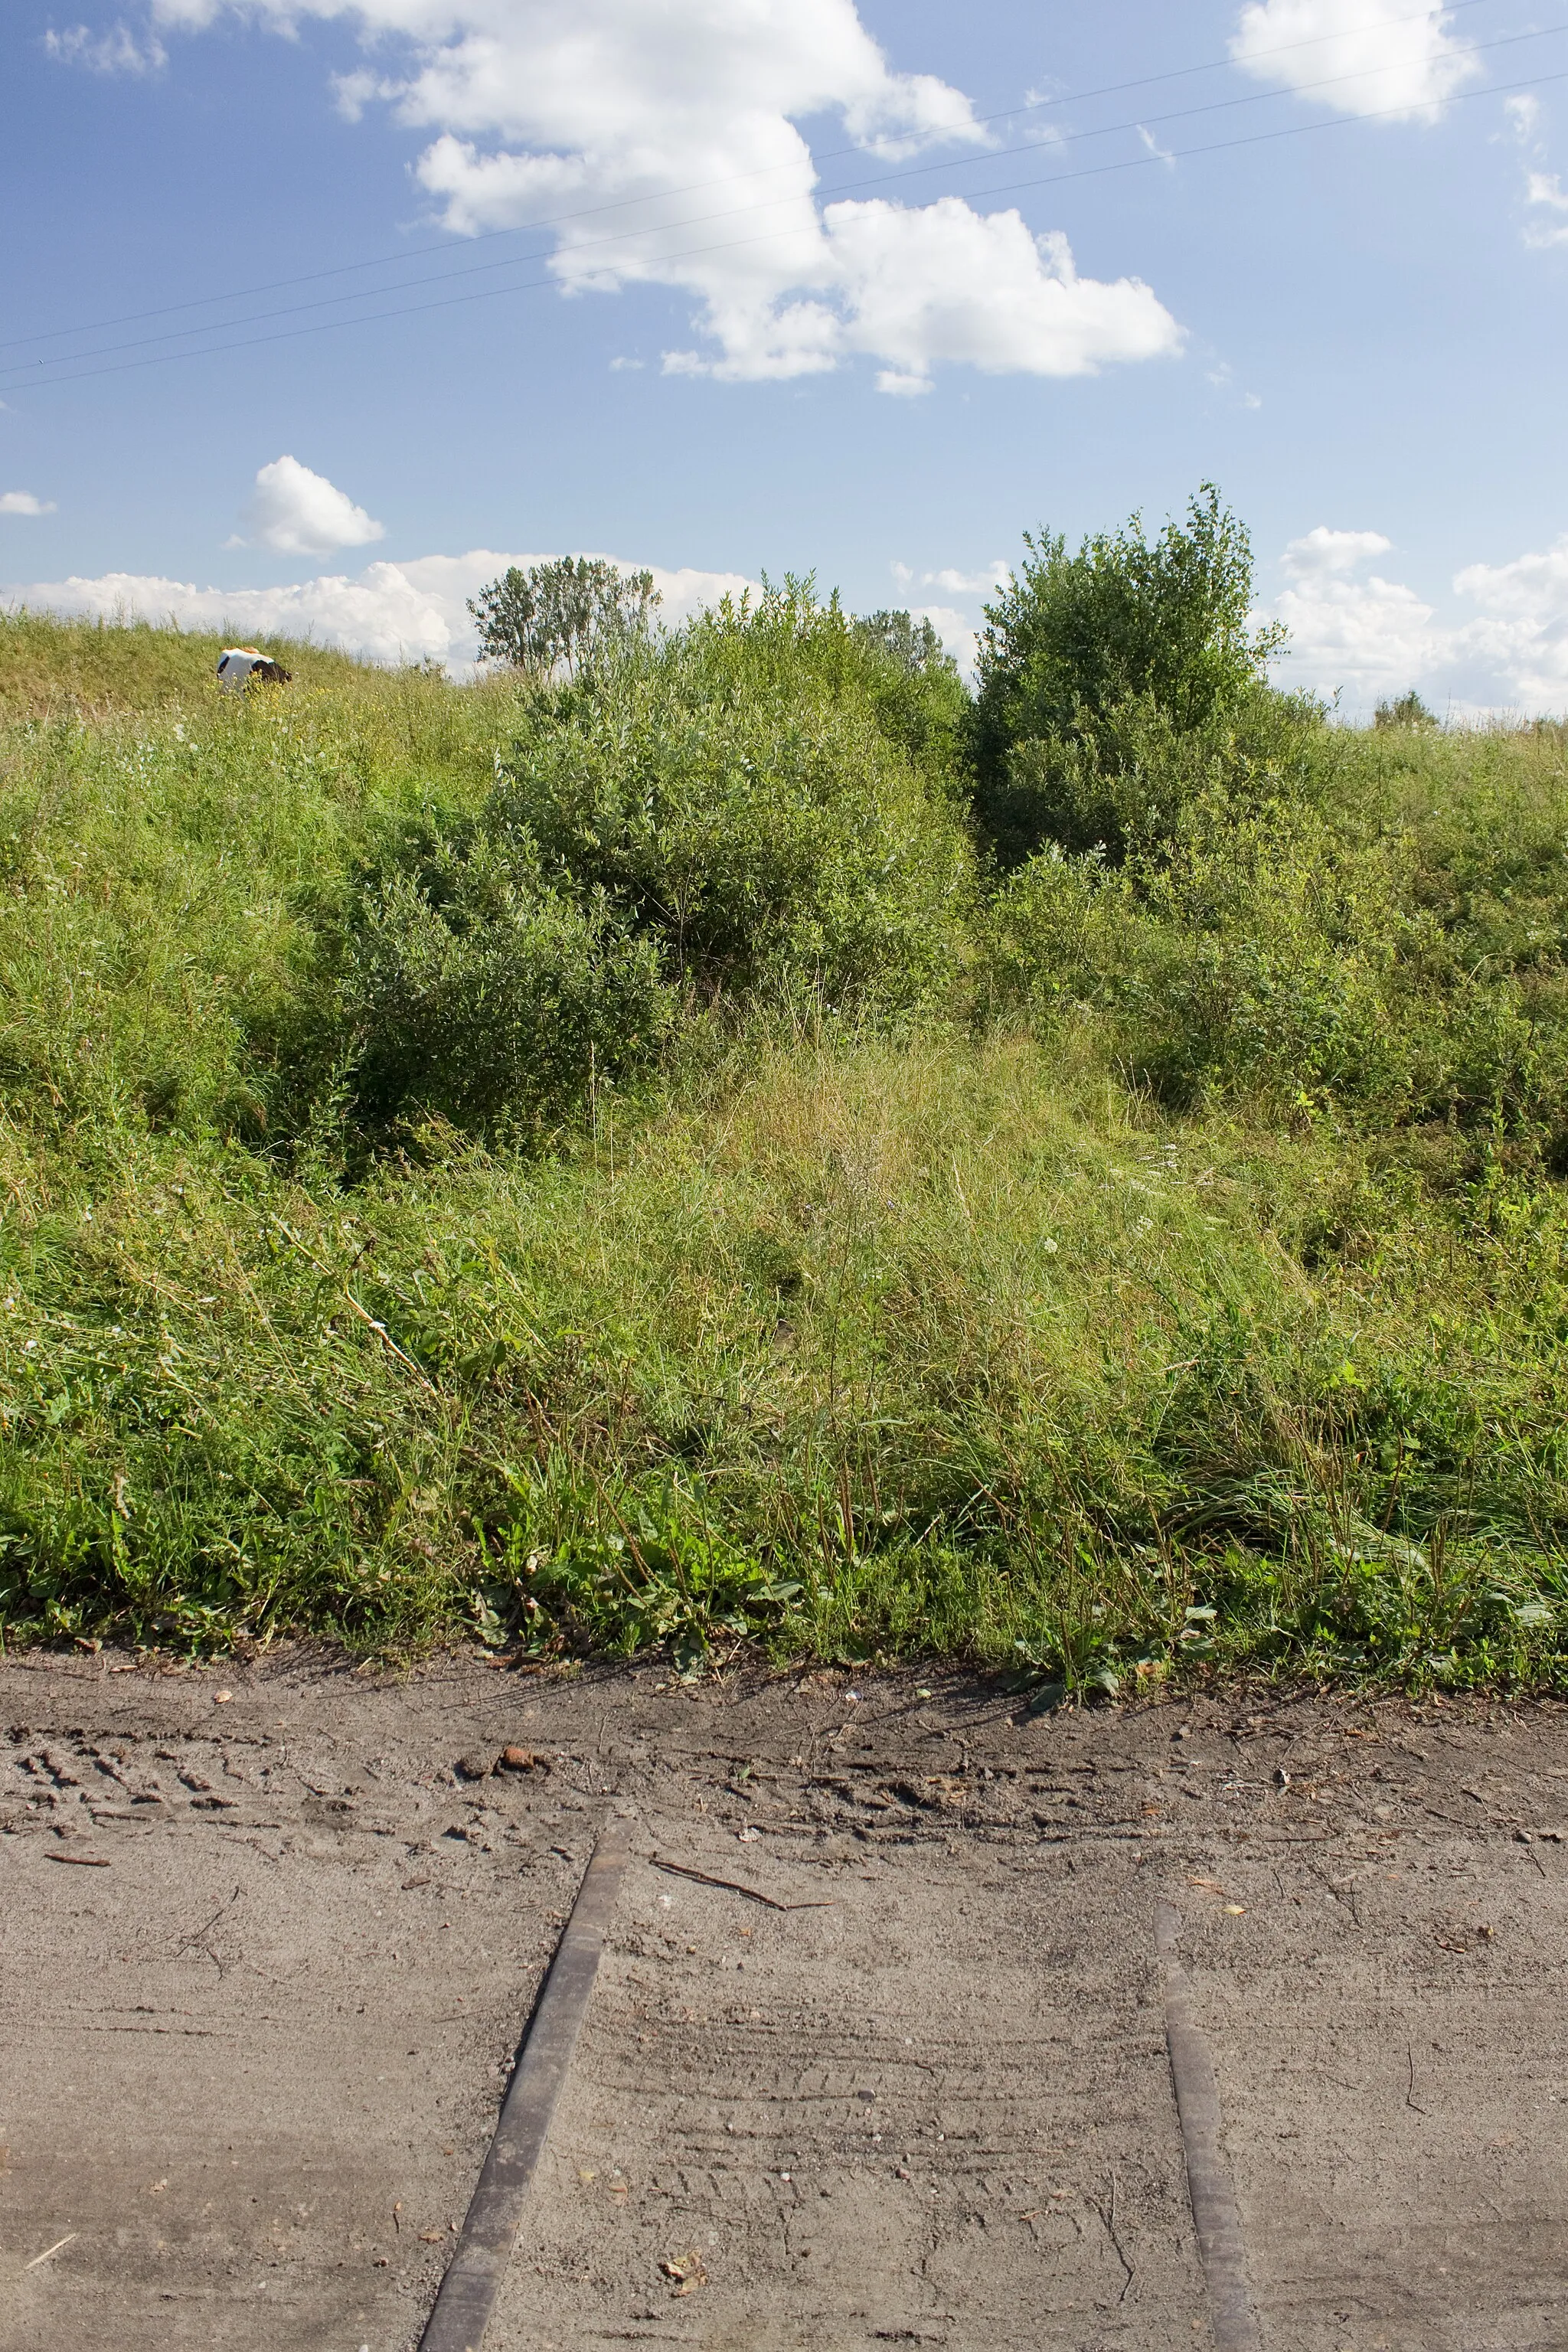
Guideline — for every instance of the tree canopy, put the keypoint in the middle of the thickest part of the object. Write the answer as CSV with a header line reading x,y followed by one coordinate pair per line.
x,y
553,617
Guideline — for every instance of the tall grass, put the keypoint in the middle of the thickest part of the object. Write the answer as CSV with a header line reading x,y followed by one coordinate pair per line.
x,y
1180,1280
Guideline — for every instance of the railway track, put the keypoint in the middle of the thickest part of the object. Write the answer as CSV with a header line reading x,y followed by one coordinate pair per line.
x,y
879,2047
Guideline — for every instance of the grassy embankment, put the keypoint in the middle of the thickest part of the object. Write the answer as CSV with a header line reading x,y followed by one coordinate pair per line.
x,y
1105,1269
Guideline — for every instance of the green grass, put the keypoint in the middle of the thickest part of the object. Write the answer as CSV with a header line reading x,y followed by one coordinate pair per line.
x,y
50,667
1007,1338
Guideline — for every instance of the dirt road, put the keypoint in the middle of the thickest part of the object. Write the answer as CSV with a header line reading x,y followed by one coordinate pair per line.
x,y
264,1957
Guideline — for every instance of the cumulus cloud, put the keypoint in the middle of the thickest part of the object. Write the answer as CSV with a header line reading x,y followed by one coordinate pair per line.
x,y
662,144
1324,551
297,512
1359,637
1520,636
118,51
1357,640
23,502
1403,63
943,282
984,582
415,611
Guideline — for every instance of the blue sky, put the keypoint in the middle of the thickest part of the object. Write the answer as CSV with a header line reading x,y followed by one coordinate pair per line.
x,y
805,297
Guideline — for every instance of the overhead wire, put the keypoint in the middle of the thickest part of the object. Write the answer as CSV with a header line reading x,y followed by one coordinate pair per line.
x,y
537,285
1054,179
557,220
17,374
1294,130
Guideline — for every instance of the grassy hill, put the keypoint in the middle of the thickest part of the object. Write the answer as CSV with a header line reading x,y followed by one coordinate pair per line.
x,y
625,1164
51,667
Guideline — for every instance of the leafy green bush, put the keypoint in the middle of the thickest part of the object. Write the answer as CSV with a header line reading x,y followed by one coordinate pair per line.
x,y
920,699
739,796
1277,953
1089,662
1124,784
1262,956
475,992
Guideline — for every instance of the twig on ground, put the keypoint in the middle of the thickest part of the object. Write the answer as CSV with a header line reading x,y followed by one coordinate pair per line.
x,y
733,1886
51,2250
1109,2218
388,1341
197,1941
1411,2100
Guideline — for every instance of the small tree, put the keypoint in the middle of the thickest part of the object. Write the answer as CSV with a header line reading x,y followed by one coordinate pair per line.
x,y
553,617
914,645
1409,711
1077,646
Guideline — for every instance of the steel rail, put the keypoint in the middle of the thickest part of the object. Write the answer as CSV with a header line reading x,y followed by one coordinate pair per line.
x,y
1215,2216
468,2293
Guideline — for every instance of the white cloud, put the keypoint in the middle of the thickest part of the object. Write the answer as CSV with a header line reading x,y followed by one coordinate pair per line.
x,y
944,282
23,502
1524,117
297,512
984,582
1520,637
118,51
1359,640
668,133
1324,551
1545,199
1403,63
1361,637
415,611
1544,193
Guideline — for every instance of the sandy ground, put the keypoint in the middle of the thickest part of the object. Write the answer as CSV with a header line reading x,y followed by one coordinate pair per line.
x,y
264,1957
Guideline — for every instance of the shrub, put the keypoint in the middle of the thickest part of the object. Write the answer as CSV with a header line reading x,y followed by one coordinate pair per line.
x,y
736,794
1084,655
1256,956
917,696
1271,953
1405,710
470,990
1125,783
1263,957
913,646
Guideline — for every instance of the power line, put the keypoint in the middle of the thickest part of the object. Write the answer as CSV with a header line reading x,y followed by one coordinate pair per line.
x,y
557,220
536,284
1054,179
18,374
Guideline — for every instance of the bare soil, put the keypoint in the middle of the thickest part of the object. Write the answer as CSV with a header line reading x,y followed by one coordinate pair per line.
x,y
269,1935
